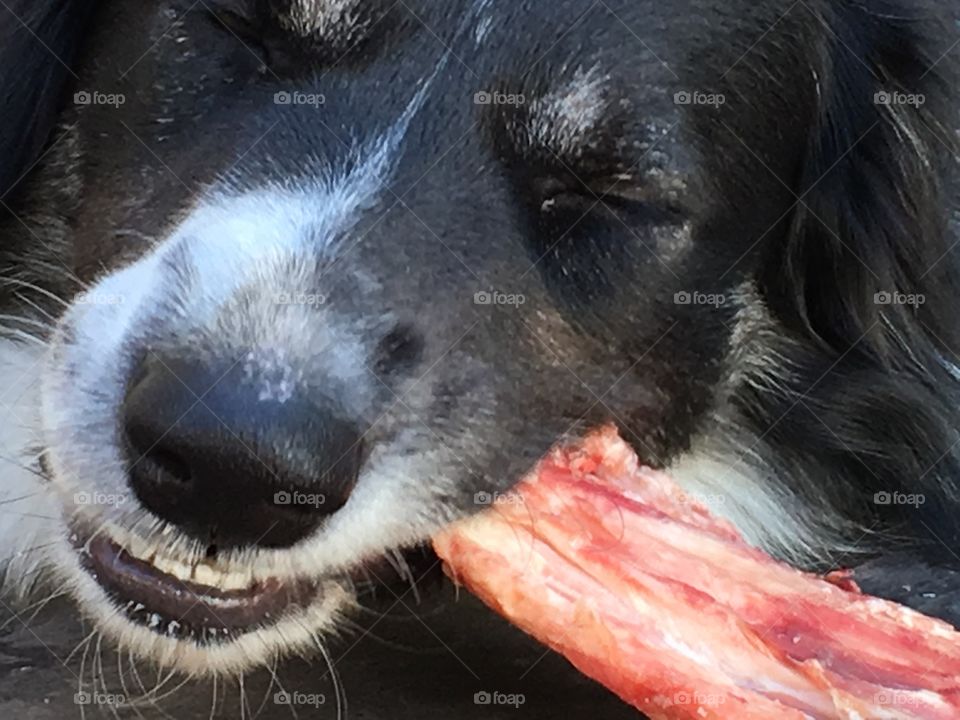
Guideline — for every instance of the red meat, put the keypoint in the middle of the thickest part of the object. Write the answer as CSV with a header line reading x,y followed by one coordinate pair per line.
x,y
642,589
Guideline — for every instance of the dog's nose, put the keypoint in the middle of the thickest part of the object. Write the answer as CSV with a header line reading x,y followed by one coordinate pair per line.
x,y
235,456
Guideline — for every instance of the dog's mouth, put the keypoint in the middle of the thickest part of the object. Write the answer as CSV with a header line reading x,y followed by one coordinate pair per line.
x,y
202,602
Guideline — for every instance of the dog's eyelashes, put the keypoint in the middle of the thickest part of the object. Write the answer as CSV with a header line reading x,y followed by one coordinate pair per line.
x,y
555,193
623,193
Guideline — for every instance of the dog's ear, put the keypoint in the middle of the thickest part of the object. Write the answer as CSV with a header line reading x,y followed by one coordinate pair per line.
x,y
38,42
866,276
868,261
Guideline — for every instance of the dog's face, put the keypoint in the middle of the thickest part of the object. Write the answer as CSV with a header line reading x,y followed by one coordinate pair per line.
x,y
336,302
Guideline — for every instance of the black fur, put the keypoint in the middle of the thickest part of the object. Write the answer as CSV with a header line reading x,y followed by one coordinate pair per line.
x,y
39,40
877,201
861,395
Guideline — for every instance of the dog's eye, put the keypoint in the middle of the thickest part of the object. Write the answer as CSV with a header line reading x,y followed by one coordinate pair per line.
x,y
621,192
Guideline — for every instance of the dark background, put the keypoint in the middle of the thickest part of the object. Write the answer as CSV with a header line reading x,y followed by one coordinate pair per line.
x,y
427,668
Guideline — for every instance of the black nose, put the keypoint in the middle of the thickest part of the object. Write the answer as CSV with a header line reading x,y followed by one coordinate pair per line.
x,y
235,456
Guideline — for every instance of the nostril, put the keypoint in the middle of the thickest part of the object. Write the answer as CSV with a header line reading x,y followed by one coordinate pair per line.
x,y
147,453
165,465
233,470
401,349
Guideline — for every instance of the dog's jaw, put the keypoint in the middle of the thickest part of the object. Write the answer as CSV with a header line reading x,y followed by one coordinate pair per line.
x,y
76,385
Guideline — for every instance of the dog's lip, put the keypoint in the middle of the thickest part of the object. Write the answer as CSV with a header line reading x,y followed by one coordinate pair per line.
x,y
175,607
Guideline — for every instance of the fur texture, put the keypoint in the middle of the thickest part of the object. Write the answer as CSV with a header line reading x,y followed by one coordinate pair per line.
x,y
728,229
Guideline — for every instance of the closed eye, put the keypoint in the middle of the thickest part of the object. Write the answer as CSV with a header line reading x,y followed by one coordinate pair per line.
x,y
619,192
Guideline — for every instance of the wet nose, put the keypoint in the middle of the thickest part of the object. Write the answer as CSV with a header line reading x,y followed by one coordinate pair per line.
x,y
235,459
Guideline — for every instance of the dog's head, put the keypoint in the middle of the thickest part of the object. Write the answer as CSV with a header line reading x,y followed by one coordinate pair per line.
x,y
351,267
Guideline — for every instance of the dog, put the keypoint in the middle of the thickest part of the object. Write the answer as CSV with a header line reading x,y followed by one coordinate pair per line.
x,y
289,285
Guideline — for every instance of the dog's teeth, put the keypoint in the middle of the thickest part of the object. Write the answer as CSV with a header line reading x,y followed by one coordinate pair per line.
x,y
137,547
205,575
172,567
240,580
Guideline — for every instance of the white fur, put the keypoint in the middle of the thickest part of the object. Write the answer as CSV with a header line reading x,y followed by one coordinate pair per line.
x,y
28,515
228,243
564,119
323,19
734,478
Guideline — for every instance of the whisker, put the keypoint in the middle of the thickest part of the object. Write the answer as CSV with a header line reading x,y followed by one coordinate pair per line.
x,y
36,288
243,699
338,689
131,702
27,301
213,700
21,498
83,665
87,639
171,691
26,321
19,334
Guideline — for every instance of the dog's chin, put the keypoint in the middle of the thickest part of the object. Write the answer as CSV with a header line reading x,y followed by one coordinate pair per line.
x,y
201,618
